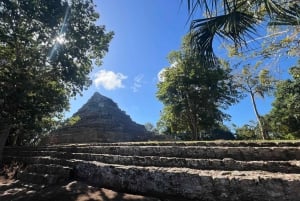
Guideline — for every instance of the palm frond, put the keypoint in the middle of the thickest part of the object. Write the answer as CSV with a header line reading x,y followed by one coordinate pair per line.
x,y
287,16
194,4
236,20
234,26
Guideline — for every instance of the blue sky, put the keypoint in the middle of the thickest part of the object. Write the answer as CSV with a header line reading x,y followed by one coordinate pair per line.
x,y
145,32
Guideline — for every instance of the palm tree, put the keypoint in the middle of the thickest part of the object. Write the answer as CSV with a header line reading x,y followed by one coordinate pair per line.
x,y
236,20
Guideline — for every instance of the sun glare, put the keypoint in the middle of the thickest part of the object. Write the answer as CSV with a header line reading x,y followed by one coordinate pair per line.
x,y
61,39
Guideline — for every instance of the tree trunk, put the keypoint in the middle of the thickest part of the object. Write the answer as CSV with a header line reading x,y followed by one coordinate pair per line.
x,y
4,132
261,128
195,132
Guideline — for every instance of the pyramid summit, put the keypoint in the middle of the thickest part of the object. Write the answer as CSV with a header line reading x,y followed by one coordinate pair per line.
x,y
99,120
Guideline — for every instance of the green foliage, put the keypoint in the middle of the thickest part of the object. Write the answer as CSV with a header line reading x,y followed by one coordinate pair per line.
x,y
236,20
285,114
73,120
258,68
284,41
193,94
246,132
46,51
256,81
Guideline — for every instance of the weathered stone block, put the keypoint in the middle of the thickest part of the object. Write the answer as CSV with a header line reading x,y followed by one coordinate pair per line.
x,y
192,184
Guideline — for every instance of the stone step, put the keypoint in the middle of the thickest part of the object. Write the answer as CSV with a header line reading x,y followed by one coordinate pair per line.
x,y
175,143
192,184
201,152
203,164
46,174
194,143
27,153
206,164
187,172
180,182
238,153
24,150
45,160
39,178
63,171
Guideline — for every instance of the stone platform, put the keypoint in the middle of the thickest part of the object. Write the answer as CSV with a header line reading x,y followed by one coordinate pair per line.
x,y
227,171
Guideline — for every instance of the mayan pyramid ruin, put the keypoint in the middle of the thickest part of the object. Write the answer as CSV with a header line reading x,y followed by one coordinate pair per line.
x,y
100,120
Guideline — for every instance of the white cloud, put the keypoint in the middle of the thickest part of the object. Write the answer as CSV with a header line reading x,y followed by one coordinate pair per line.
x,y
137,82
109,80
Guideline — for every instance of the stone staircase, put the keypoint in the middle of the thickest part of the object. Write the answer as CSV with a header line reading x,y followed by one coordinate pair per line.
x,y
207,171
45,174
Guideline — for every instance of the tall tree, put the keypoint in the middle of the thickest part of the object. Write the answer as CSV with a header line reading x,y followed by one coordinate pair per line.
x,y
193,94
46,51
263,65
256,81
237,20
284,117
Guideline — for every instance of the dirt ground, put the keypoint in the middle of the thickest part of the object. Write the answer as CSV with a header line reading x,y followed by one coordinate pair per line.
x,y
71,191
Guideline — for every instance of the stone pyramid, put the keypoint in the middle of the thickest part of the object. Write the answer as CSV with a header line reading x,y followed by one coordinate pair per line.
x,y
100,120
